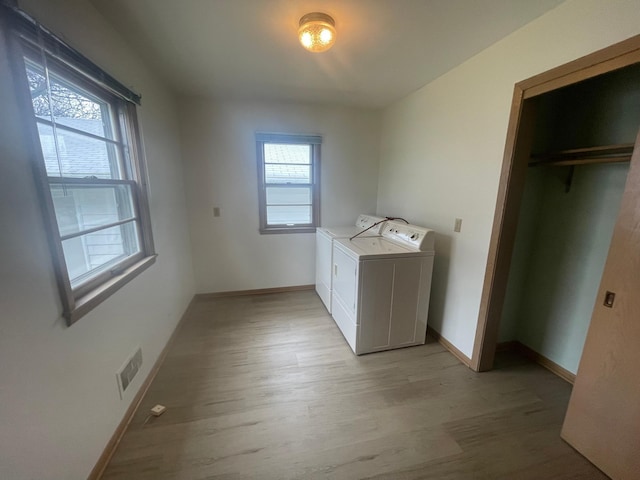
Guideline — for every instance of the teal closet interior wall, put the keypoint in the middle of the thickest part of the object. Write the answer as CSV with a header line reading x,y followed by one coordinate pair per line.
x,y
563,236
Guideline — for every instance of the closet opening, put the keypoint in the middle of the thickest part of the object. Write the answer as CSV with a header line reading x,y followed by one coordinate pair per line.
x,y
570,138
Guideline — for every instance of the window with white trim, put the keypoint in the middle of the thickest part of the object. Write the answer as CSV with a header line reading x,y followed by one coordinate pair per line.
x,y
89,168
288,182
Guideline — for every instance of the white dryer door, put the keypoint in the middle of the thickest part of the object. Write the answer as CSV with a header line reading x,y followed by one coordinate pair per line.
x,y
323,269
345,275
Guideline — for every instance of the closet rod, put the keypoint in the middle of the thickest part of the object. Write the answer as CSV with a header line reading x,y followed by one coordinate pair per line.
x,y
584,156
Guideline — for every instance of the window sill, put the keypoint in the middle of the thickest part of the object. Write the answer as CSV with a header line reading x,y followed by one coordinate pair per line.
x,y
271,230
88,302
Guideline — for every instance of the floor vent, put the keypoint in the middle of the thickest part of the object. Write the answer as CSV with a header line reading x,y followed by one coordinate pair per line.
x,y
129,371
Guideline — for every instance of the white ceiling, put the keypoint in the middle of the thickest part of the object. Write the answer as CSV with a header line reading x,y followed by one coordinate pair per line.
x,y
385,49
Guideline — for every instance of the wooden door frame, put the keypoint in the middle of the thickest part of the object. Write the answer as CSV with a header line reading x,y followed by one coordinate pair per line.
x,y
512,180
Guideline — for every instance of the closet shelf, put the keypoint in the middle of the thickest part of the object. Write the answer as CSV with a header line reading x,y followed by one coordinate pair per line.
x,y
584,156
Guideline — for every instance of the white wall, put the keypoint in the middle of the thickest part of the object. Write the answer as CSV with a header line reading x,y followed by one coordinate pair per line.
x,y
59,401
442,146
220,171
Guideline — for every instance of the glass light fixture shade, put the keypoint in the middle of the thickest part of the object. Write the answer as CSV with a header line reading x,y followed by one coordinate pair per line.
x,y
317,32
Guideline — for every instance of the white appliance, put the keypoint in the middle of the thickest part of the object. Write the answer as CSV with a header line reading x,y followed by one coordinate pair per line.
x,y
381,287
324,251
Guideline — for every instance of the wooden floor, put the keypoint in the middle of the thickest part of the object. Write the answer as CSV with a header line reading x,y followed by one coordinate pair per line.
x,y
265,387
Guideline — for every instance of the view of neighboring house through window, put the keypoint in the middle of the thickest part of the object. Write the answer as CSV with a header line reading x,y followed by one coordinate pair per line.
x,y
288,167
92,178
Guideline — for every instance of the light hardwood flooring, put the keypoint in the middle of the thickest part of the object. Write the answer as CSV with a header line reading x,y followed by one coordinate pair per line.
x,y
265,387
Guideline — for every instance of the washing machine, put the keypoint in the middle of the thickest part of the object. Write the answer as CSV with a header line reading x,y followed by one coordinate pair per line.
x,y
324,250
381,287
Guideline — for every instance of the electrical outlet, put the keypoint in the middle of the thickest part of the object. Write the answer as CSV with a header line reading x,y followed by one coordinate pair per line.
x,y
129,370
458,225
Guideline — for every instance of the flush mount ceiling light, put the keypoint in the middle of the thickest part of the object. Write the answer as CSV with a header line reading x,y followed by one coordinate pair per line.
x,y
317,32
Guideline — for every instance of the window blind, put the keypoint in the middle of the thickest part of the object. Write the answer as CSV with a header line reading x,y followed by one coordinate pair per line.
x,y
287,138
44,40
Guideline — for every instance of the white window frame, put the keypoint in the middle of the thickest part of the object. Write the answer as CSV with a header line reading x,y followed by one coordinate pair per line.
x,y
314,142
25,40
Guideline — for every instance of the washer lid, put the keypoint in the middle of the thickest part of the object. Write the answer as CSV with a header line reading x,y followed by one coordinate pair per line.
x,y
363,222
346,232
364,248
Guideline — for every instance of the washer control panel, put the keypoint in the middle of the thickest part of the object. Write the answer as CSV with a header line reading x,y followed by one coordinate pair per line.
x,y
418,238
365,221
